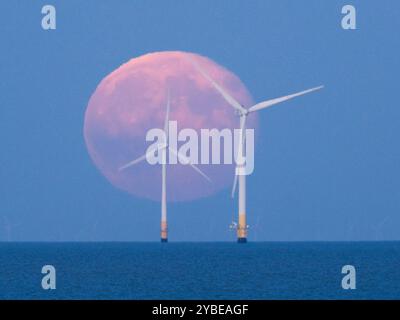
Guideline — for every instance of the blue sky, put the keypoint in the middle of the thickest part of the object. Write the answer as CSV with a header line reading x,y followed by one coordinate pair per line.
x,y
326,166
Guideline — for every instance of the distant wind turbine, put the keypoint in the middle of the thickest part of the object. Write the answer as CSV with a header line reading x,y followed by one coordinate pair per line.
x,y
378,228
256,228
162,147
243,112
8,227
93,230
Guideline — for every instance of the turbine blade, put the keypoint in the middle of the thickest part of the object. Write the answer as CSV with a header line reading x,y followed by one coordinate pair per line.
x,y
234,185
167,115
142,158
242,139
243,126
269,103
129,164
186,161
232,101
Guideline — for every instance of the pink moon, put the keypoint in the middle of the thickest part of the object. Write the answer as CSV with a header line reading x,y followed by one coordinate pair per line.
x,y
132,100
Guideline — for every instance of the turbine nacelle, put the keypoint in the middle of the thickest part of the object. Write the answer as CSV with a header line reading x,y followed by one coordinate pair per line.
x,y
241,113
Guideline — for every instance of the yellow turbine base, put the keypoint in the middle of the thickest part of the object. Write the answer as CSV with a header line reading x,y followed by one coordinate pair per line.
x,y
164,230
242,227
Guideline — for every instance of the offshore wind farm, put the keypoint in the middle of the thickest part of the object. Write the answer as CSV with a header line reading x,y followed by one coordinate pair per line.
x,y
219,139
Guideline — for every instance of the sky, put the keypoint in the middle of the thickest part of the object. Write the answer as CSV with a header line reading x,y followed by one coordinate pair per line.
x,y
326,165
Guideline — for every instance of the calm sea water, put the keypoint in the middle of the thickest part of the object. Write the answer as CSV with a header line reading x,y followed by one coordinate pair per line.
x,y
200,270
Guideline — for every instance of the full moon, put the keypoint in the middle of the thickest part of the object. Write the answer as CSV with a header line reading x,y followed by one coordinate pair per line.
x,y
132,100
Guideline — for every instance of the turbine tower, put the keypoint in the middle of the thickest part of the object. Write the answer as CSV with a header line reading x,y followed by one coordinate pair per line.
x,y
243,112
162,147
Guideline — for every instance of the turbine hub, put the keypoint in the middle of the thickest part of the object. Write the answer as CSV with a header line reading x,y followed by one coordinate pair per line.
x,y
243,112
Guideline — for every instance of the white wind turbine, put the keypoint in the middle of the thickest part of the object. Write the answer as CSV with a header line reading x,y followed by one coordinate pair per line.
x,y
243,113
162,147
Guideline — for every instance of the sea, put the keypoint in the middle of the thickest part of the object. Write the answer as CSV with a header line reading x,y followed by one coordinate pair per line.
x,y
221,270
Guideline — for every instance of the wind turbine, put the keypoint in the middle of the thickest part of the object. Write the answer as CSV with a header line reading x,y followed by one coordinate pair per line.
x,y
243,112
8,227
378,228
162,147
